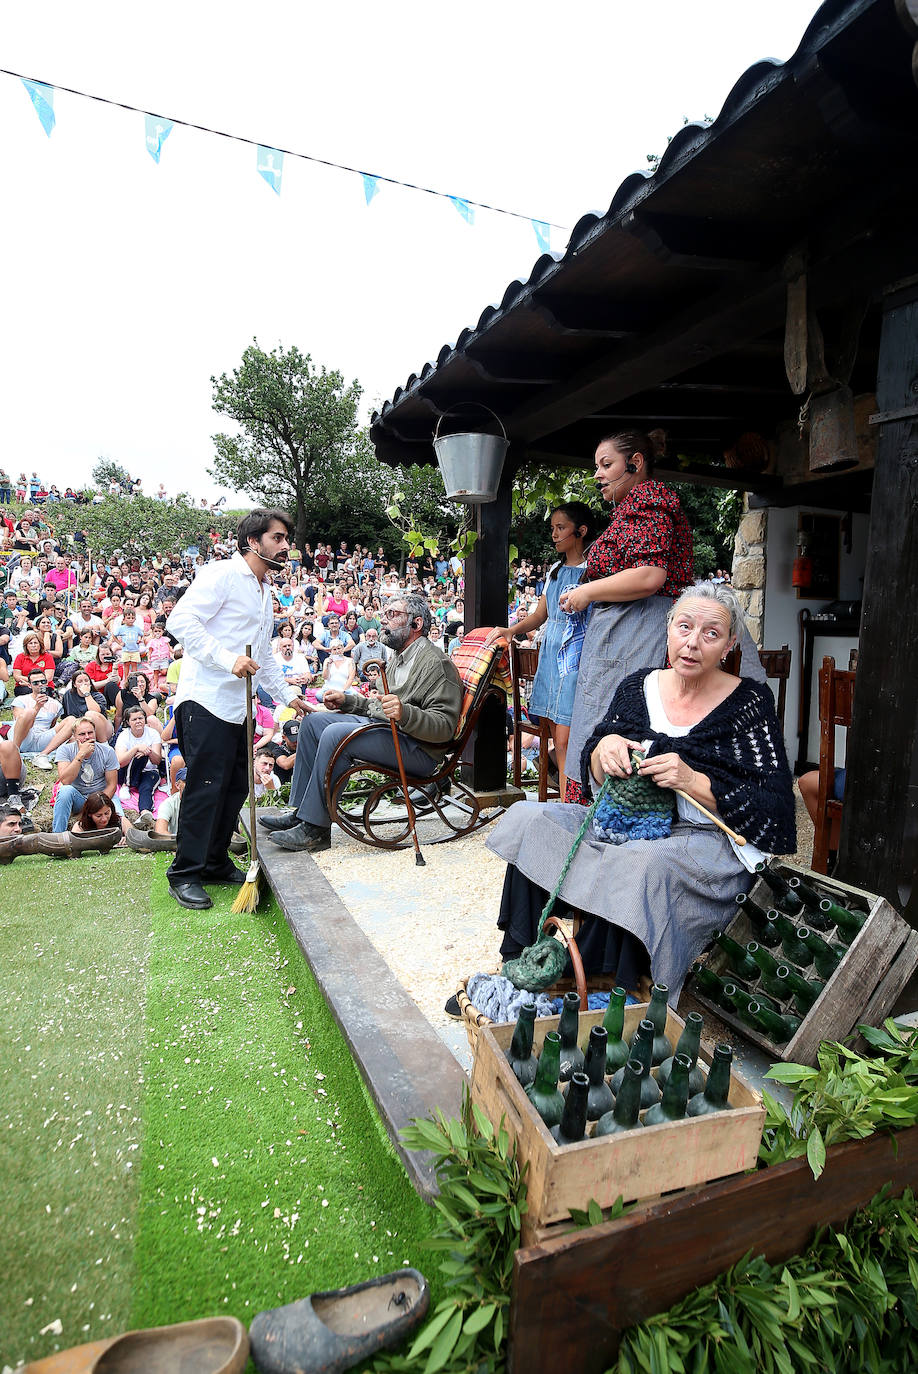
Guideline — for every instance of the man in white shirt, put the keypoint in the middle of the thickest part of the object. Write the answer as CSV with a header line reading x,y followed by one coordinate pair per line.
x,y
227,607
84,619
293,665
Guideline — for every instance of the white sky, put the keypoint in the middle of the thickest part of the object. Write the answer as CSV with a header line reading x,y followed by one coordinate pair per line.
x,y
126,285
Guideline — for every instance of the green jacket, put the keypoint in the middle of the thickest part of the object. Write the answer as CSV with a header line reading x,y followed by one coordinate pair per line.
x,y
430,690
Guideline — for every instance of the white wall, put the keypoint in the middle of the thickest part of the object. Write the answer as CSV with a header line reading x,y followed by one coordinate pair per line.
x,y
782,609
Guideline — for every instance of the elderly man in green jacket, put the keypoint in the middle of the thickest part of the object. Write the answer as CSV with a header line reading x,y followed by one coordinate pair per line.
x,y
424,699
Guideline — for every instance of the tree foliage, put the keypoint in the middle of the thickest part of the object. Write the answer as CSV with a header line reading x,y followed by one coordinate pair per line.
x,y
297,426
107,471
137,524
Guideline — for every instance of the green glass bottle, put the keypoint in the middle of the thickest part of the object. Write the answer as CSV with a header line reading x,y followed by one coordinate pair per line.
x,y
614,1023
544,1093
656,1012
777,1026
569,1030
689,1045
795,951
846,922
572,1126
785,900
826,956
737,999
766,932
599,1098
768,968
642,1052
674,1102
811,900
625,1116
707,981
803,992
520,1056
739,960
717,1088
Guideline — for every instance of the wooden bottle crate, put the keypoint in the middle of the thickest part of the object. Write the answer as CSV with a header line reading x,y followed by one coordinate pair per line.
x,y
637,1164
864,987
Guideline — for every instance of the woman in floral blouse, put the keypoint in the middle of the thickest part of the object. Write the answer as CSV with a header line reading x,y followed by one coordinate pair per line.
x,y
635,570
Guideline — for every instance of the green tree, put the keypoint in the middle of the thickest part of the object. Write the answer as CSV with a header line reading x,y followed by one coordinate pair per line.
x,y
140,524
294,420
107,471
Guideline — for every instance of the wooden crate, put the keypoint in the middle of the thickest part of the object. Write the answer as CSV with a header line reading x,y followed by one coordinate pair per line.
x,y
863,989
642,1163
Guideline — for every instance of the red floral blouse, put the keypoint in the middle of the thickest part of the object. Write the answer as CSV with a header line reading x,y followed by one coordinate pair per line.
x,y
648,529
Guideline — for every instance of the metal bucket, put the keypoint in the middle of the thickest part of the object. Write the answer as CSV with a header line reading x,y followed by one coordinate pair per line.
x,y
471,464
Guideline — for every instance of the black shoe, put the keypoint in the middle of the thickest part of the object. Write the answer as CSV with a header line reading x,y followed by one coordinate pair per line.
x,y
310,838
452,1008
191,895
230,877
285,821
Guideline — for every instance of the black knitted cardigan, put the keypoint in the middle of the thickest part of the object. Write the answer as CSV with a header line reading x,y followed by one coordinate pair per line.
x,y
738,746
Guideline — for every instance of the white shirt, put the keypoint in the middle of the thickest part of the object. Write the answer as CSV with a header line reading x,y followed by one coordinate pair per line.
x,y
224,609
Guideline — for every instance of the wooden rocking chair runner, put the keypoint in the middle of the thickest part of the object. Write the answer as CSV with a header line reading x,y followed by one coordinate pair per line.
x,y
836,700
524,660
367,800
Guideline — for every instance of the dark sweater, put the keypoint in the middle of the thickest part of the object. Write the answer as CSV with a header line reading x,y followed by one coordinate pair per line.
x,y
738,746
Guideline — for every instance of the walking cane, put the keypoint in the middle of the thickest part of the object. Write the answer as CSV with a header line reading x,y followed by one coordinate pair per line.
x,y
419,859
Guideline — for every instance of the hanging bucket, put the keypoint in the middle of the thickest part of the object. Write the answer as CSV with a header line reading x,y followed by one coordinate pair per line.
x,y
471,464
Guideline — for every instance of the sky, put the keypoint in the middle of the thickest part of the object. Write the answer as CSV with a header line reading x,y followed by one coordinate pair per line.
x,y
127,285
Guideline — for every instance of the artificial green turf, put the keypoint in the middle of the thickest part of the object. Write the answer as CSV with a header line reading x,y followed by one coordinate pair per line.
x,y
266,1174
73,948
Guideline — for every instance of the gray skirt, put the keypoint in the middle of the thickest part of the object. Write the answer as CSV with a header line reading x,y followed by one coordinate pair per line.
x,y
671,894
621,638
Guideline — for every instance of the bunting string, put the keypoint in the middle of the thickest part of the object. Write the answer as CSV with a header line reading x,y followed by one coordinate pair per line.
x,y
269,159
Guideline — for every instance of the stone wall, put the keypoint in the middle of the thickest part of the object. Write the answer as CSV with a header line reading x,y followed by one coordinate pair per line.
x,y
749,568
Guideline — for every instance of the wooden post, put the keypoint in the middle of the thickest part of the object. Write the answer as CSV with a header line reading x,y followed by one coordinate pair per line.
x,y
879,836
486,580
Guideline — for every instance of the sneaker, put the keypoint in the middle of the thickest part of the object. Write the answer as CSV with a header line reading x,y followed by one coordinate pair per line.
x,y
43,762
14,799
144,821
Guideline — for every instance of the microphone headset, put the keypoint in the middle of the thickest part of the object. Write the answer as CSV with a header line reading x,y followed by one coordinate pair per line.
x,y
278,564
630,466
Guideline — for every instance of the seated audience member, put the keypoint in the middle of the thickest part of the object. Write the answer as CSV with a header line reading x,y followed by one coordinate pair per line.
x,y
98,813
13,618
166,823
368,650
294,665
34,657
61,576
25,572
37,725
84,766
81,699
338,670
425,698
12,773
266,780
51,640
104,674
85,619
136,692
10,821
352,628
84,651
654,904
139,750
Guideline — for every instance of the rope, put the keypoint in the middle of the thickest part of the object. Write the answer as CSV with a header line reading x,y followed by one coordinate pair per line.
x,y
587,821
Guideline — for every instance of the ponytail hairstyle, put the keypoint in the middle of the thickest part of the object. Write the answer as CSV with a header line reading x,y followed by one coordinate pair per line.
x,y
629,442
581,514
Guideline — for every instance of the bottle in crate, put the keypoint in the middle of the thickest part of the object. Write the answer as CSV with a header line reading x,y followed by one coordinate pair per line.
x,y
569,1030
811,903
656,1012
795,951
801,991
544,1093
689,1045
625,1116
786,900
779,1027
740,962
572,1126
674,1102
614,1023
520,1056
717,1088
768,968
599,1097
826,956
642,1052
766,932
848,923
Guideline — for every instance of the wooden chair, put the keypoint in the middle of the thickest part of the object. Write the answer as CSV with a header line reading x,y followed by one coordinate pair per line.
x,y
776,663
524,660
367,801
836,698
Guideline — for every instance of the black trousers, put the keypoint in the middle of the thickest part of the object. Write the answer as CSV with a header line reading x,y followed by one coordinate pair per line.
x,y
215,788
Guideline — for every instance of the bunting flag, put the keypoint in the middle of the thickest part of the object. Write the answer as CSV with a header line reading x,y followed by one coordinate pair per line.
x,y
271,166
370,186
464,208
42,97
156,132
543,235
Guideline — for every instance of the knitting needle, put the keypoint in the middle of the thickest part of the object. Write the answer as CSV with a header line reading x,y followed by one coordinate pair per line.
x,y
721,825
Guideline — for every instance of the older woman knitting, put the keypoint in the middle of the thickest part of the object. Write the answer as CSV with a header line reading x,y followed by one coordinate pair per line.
x,y
655,902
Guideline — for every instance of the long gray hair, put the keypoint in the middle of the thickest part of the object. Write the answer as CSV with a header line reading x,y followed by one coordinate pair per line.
x,y
720,592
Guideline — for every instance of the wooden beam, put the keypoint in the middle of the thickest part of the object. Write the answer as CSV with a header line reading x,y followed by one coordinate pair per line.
x,y
601,320
700,243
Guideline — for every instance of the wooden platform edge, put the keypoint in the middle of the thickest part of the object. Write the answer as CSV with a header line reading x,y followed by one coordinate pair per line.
x,y
574,1296
407,1068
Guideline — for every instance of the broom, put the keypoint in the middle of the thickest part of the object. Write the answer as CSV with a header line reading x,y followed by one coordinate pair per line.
x,y
247,896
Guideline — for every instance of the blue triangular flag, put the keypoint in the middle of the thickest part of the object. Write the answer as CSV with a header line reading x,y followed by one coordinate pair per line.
x,y
271,166
465,210
42,97
370,187
156,131
543,235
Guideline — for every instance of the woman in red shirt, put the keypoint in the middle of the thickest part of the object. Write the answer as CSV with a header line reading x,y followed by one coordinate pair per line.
x,y
635,570
33,657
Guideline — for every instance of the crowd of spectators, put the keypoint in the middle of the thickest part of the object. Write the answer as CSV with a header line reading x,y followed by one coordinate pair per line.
x,y
90,669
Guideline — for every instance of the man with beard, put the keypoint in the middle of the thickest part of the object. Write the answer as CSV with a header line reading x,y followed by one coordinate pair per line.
x,y
424,699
